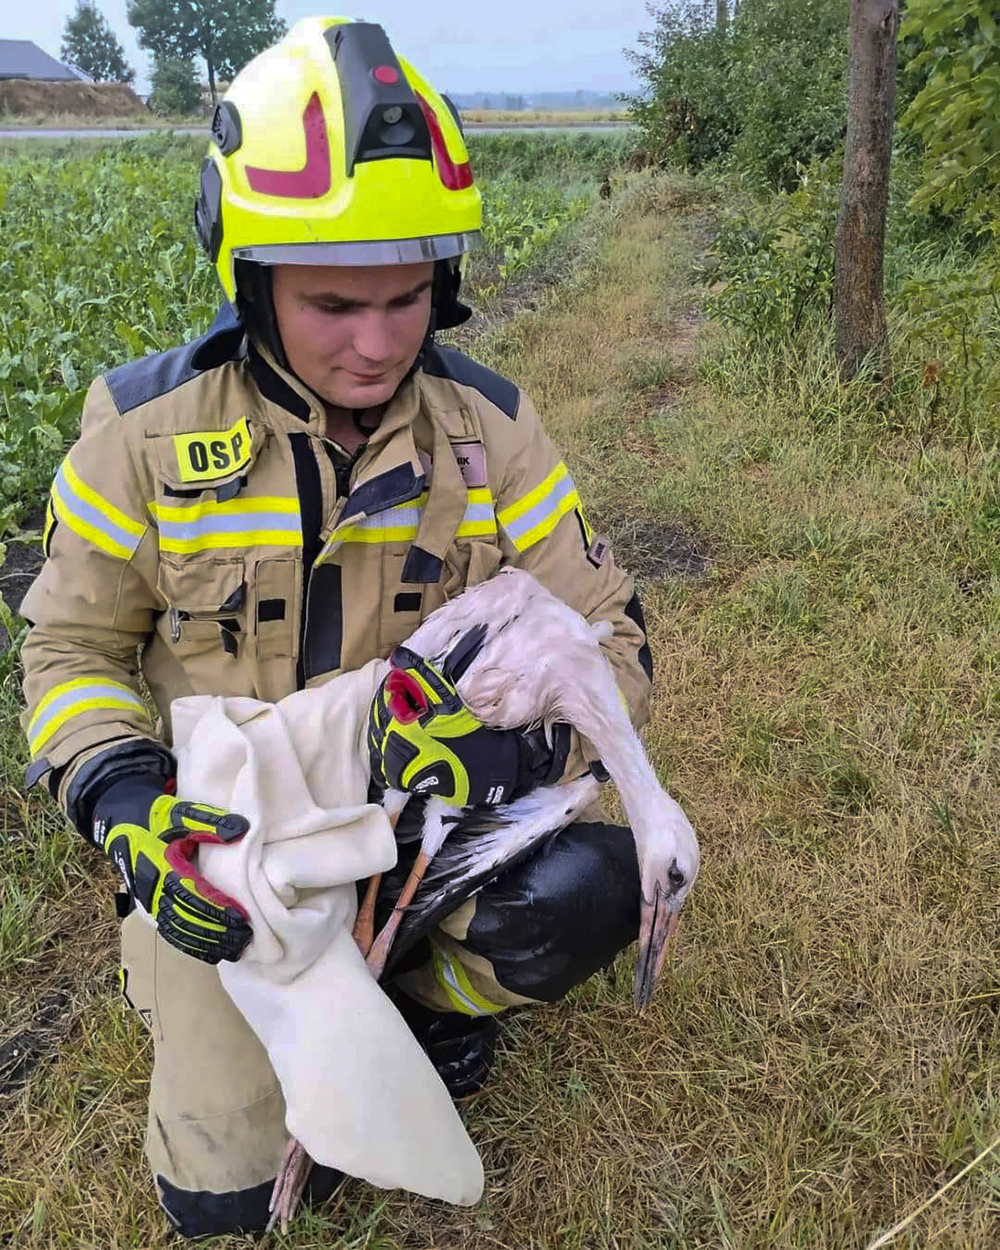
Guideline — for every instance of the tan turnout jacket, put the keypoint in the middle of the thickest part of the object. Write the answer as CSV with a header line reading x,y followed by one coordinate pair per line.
x,y
204,533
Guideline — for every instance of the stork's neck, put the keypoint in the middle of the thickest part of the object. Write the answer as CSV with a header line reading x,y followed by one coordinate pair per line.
x,y
592,705
644,799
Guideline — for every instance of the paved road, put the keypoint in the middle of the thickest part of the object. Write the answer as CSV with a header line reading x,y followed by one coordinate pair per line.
x,y
25,132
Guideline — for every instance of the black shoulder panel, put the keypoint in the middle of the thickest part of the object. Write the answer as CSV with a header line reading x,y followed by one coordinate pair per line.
x,y
142,380
446,362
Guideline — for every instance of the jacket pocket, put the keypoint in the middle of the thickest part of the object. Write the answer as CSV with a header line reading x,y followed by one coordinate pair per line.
x,y
218,461
468,562
206,605
277,594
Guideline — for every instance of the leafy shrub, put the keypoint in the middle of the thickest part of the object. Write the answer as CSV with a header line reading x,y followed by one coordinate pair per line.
x,y
956,114
176,90
766,93
553,157
519,220
775,260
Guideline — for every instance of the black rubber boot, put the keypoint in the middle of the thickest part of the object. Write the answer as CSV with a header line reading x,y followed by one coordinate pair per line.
x,y
460,1047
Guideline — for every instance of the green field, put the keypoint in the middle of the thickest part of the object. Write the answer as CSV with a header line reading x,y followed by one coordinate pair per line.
x,y
820,569
100,265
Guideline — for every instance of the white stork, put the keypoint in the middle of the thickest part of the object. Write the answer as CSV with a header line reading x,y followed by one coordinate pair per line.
x,y
536,662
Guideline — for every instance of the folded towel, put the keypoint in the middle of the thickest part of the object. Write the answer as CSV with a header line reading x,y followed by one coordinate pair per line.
x,y
360,1093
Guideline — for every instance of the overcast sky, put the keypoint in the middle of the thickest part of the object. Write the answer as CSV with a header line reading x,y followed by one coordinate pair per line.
x,y
514,45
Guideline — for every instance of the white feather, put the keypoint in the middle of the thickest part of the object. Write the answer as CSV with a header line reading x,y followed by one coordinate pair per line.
x,y
542,663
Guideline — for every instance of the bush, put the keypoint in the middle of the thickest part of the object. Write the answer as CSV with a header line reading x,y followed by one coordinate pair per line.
x,y
176,90
765,94
776,259
555,157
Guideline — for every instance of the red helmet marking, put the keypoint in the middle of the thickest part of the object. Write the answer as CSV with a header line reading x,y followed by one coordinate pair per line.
x,y
455,177
386,74
405,697
313,179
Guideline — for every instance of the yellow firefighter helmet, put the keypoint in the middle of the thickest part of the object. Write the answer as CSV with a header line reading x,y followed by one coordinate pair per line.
x,y
329,150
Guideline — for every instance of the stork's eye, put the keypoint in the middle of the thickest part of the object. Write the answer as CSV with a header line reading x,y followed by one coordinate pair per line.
x,y
676,878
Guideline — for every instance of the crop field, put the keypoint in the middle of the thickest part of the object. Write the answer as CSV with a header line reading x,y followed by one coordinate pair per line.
x,y
100,264
820,573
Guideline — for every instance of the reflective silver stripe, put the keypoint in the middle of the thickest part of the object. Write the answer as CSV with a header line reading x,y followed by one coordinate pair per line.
x,y
544,508
91,517
478,512
406,515
111,693
448,972
230,523
375,252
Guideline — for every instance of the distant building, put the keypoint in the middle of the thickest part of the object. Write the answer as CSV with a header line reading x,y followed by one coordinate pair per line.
x,y
20,58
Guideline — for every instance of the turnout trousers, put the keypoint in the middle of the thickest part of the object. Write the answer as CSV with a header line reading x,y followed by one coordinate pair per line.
x,y
216,1126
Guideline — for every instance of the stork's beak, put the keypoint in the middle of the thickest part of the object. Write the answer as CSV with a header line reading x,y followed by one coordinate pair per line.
x,y
657,925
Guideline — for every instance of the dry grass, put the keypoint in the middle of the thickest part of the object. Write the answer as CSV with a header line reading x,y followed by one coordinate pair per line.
x,y
820,1057
20,97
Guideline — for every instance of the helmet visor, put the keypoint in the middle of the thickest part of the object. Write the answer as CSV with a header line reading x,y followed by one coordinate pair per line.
x,y
376,252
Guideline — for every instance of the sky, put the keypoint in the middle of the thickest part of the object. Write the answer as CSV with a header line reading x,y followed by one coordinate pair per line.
x,y
515,46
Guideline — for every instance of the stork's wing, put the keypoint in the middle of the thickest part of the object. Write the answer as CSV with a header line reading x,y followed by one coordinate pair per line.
x,y
481,847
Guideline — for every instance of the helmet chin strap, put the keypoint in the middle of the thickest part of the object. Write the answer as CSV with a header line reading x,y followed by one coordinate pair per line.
x,y
255,306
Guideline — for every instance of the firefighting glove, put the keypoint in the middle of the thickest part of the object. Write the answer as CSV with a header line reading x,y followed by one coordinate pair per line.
x,y
152,838
423,739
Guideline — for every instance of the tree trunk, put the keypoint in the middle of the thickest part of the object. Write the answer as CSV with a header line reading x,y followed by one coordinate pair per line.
x,y
859,294
721,14
211,78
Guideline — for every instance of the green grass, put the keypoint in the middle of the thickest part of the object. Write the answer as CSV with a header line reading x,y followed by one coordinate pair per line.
x,y
821,1055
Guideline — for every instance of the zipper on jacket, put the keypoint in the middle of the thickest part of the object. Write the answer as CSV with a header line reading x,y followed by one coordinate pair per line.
x,y
309,487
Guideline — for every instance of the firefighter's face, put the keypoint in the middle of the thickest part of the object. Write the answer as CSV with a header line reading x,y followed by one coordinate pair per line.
x,y
352,333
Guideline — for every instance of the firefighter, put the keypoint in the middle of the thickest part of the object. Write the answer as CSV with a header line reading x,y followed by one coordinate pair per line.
x,y
282,499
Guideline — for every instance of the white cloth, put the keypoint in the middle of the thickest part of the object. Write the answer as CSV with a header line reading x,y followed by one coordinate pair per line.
x,y
360,1093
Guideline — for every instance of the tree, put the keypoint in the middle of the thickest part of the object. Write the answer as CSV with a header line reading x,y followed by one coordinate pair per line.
x,y
858,285
956,112
176,91
226,35
90,44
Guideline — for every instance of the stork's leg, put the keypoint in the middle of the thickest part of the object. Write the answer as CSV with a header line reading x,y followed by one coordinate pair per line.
x,y
364,925
287,1182
379,952
439,819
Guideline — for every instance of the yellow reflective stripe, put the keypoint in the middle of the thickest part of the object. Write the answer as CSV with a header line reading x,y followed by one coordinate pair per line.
x,y
545,527
535,515
93,517
588,529
454,980
401,523
385,534
74,698
520,506
215,542
233,507
270,520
